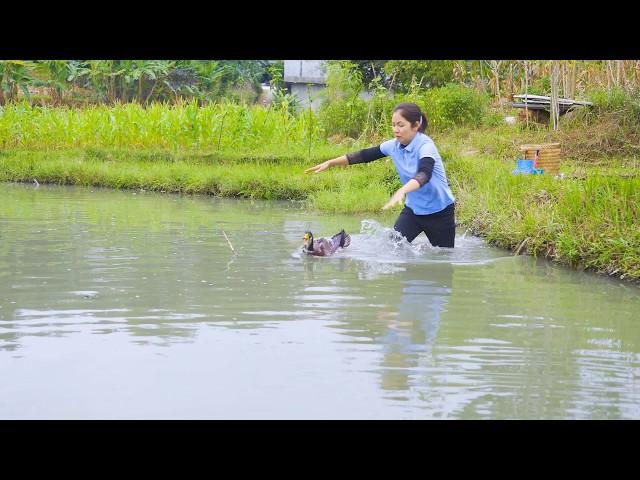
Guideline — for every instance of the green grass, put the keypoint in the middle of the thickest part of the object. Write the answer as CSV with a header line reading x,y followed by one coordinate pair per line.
x,y
588,223
340,189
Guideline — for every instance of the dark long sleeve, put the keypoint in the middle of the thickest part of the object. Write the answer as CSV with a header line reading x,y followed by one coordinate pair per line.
x,y
366,155
425,170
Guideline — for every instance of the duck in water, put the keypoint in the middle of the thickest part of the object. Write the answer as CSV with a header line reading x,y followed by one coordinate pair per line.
x,y
323,247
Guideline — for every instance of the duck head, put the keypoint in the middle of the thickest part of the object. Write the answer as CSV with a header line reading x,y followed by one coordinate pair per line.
x,y
308,241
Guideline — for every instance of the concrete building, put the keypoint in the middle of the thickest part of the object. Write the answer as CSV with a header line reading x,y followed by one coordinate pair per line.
x,y
304,79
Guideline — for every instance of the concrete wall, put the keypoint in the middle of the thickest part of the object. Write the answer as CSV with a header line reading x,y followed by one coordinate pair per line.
x,y
305,71
302,91
308,76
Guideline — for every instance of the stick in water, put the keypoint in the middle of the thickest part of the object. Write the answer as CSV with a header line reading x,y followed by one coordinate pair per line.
x,y
225,236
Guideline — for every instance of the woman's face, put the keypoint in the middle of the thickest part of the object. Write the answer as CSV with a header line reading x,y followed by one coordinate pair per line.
x,y
402,129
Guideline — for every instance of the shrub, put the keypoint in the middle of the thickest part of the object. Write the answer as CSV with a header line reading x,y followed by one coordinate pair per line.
x,y
380,106
608,100
615,112
454,105
343,117
342,111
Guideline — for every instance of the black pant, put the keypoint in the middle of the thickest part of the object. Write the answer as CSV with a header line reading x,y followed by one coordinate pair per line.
x,y
439,227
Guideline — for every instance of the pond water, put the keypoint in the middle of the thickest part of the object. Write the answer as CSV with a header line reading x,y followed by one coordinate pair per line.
x,y
130,304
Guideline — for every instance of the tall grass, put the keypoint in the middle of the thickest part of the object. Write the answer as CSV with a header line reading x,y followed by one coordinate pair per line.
x,y
227,127
224,127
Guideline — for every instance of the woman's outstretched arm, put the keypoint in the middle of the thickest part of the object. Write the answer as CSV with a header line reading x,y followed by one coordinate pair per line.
x,y
361,156
342,160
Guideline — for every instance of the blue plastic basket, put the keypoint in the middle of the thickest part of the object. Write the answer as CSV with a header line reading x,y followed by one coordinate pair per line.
x,y
524,165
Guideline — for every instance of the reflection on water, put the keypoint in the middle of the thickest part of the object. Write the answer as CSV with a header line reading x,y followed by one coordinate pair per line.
x,y
137,305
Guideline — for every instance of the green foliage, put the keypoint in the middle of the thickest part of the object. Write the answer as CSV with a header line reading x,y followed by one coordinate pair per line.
x,y
276,74
135,80
613,100
344,80
280,97
453,105
540,86
427,73
223,126
493,118
589,223
611,127
15,75
372,72
56,73
342,111
283,100
343,117
380,106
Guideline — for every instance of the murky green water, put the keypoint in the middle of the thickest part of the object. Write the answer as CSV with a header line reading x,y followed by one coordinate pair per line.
x,y
134,305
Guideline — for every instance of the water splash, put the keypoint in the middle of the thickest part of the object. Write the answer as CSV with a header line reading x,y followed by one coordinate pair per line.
x,y
384,239
382,244
377,249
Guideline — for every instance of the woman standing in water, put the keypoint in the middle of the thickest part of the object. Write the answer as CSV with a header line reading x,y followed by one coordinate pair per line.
x,y
430,204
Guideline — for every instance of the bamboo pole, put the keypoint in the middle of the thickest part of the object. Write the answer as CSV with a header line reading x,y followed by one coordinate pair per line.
x,y
526,92
231,246
572,79
555,114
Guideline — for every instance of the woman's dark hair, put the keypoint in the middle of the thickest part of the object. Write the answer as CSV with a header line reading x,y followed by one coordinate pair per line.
x,y
412,113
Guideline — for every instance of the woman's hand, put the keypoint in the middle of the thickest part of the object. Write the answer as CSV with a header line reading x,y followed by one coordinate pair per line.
x,y
411,186
338,161
397,197
318,168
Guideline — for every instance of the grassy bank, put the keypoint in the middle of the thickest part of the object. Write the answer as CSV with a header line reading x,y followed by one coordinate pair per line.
x,y
587,223
357,189
588,219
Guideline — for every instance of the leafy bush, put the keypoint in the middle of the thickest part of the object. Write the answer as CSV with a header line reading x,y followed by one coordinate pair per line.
x,y
610,106
608,100
380,107
427,73
281,99
345,117
454,105
342,111
494,118
540,86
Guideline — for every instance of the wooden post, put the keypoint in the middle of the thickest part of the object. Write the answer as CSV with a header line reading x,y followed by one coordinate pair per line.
x,y
555,114
526,92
